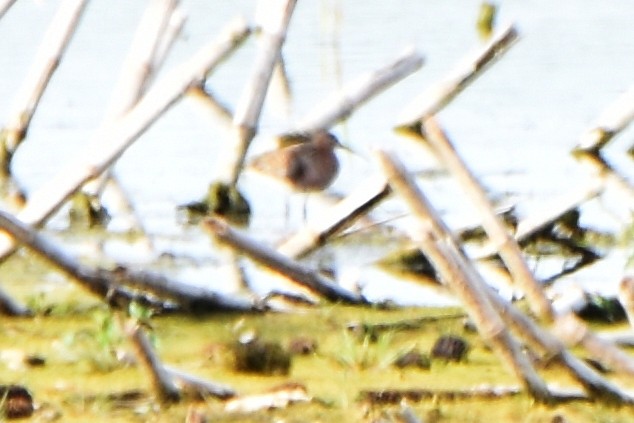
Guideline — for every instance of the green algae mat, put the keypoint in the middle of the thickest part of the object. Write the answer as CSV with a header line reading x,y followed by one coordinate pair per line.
x,y
344,364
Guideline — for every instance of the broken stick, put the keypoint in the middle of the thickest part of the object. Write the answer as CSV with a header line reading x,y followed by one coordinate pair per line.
x,y
296,272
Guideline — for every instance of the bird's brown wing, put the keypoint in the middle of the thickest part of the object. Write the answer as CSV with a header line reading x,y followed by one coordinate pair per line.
x,y
296,168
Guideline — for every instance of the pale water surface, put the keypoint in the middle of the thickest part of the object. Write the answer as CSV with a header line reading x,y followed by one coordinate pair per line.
x,y
514,126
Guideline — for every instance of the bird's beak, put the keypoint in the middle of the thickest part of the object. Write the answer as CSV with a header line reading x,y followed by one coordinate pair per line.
x,y
346,148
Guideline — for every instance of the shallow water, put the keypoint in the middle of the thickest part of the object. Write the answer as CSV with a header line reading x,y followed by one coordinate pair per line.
x,y
514,126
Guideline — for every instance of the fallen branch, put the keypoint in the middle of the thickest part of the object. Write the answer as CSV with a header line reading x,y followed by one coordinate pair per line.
x,y
281,264
122,286
187,297
546,217
553,211
171,384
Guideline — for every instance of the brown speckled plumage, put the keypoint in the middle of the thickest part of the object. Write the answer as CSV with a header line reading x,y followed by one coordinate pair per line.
x,y
305,167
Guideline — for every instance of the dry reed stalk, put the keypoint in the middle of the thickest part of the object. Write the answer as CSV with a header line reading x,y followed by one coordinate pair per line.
x,y
47,59
407,414
532,333
247,113
281,264
280,92
574,332
10,307
626,298
340,104
616,117
59,258
440,94
110,142
550,347
438,244
136,74
162,381
172,30
201,388
553,349
121,286
210,105
141,62
547,215
4,6
553,211
509,250
606,177
342,215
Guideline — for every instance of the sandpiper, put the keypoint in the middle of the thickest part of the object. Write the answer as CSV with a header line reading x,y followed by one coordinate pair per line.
x,y
305,167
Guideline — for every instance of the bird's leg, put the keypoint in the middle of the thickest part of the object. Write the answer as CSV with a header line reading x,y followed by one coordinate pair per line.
x,y
287,209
